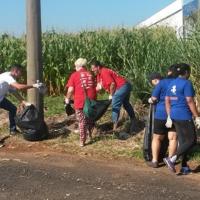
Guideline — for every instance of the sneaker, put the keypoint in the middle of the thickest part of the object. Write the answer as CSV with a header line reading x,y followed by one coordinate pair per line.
x,y
185,170
14,132
1,144
169,164
82,144
152,164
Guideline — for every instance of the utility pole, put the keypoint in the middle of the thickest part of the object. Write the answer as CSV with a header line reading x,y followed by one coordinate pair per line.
x,y
34,52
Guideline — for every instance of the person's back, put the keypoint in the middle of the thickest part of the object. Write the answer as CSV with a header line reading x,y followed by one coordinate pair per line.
x,y
159,92
80,80
107,76
178,90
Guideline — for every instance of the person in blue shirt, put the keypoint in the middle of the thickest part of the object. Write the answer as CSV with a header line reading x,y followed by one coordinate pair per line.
x,y
160,117
181,109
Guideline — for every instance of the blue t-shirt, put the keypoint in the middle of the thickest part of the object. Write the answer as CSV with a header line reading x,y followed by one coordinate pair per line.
x,y
159,92
178,90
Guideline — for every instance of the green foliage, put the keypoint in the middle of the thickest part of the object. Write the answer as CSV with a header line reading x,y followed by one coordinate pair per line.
x,y
134,53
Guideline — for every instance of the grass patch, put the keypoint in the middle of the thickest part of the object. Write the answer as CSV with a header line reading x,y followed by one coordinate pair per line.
x,y
104,145
53,105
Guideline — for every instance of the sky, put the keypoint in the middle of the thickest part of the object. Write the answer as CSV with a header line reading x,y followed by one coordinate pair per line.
x,y
78,15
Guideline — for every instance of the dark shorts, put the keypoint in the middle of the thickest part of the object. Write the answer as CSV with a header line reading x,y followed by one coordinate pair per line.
x,y
160,128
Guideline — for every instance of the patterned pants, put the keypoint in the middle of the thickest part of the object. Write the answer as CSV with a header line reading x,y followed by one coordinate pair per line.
x,y
84,124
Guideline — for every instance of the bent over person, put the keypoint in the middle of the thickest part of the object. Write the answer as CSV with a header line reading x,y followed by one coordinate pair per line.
x,y
8,84
81,83
119,90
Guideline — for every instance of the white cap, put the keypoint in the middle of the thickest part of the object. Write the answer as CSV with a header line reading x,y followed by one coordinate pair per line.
x,y
81,62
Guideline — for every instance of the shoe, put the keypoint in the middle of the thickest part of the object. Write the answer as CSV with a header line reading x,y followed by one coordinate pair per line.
x,y
185,170
1,144
132,126
152,164
14,132
82,144
169,164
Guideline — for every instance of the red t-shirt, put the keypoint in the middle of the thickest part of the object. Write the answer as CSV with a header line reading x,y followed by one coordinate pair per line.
x,y
77,80
107,76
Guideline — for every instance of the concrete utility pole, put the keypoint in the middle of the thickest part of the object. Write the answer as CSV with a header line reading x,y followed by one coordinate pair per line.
x,y
34,51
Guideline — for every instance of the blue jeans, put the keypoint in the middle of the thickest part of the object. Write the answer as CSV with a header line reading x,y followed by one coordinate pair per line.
x,y
7,105
121,97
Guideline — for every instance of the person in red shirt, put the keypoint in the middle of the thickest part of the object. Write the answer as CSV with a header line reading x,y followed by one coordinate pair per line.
x,y
77,82
119,90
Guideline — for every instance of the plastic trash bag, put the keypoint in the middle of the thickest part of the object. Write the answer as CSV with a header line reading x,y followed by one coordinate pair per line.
x,y
32,126
148,135
95,109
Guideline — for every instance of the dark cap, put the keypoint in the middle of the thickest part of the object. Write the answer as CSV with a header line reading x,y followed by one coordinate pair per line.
x,y
154,75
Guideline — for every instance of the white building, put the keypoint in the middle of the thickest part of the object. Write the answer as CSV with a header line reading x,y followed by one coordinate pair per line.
x,y
172,15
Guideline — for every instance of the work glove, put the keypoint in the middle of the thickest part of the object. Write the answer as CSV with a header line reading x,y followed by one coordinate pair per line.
x,y
26,103
67,101
38,84
110,97
169,122
197,122
98,87
150,101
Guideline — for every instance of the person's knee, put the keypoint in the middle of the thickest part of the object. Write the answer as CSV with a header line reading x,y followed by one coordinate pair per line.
x,y
172,136
158,138
13,109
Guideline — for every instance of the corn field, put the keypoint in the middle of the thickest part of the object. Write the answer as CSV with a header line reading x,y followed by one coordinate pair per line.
x,y
134,53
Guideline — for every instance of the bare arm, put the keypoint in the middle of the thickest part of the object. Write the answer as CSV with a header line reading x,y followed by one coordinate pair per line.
x,y
167,105
112,88
19,86
192,106
70,92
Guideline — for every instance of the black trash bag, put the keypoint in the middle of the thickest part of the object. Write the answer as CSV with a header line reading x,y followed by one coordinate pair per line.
x,y
32,126
95,109
69,109
101,107
28,118
147,152
36,135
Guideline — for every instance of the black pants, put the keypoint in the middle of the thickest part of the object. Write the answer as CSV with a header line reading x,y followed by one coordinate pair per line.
x,y
186,138
7,105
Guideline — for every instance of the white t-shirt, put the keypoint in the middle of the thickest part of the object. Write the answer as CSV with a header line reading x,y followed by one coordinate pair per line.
x,y
5,80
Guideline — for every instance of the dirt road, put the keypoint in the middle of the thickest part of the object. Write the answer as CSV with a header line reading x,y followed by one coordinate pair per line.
x,y
56,176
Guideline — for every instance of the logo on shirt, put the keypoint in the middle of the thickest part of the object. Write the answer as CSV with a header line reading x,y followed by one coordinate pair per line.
x,y
173,90
86,80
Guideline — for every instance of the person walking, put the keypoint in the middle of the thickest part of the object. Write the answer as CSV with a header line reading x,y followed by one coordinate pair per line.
x,y
79,83
180,107
160,116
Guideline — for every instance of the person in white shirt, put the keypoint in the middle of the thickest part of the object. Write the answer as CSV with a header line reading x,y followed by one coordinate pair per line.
x,y
8,84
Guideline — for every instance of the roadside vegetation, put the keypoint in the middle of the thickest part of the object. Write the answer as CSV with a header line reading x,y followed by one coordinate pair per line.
x,y
134,53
